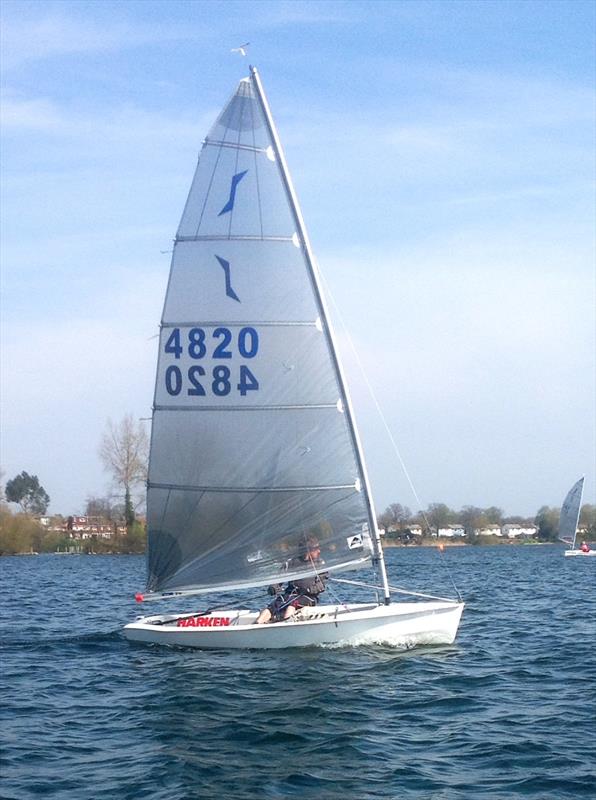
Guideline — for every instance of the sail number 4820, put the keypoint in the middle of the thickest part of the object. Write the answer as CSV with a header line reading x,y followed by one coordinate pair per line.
x,y
220,345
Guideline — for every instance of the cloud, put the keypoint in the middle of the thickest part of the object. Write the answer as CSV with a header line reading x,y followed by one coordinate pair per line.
x,y
29,114
28,38
65,376
105,125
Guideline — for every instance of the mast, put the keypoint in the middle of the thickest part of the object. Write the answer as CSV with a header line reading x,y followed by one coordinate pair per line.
x,y
327,330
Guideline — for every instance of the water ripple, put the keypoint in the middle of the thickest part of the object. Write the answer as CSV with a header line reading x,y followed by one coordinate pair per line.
x,y
506,713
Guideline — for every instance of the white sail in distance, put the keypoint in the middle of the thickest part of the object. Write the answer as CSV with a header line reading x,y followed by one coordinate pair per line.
x,y
253,447
570,513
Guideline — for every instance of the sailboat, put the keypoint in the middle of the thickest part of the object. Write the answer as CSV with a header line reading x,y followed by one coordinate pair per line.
x,y
569,518
253,443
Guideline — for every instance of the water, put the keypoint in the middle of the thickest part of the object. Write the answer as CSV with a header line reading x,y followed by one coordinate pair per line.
x,y
507,712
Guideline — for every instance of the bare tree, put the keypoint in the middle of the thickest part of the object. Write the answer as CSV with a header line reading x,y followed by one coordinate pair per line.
x,y
494,515
438,516
101,507
472,519
124,450
395,516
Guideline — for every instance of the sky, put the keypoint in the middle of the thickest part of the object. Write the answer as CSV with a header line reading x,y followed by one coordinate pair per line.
x,y
444,158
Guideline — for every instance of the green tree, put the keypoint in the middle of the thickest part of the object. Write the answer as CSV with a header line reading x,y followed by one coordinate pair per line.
x,y
587,519
19,533
136,539
547,520
26,490
54,541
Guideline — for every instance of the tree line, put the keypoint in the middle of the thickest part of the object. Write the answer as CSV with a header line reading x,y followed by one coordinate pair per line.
x,y
397,519
124,452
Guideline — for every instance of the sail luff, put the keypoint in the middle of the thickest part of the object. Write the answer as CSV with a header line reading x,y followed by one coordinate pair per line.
x,y
155,385
327,328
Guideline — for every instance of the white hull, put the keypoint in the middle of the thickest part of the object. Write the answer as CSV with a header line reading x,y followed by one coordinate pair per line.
x,y
399,624
580,553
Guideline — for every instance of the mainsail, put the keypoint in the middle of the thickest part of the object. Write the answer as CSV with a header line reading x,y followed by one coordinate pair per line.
x,y
570,513
253,446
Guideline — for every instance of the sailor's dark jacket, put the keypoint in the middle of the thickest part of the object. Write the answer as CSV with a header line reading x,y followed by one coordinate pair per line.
x,y
312,585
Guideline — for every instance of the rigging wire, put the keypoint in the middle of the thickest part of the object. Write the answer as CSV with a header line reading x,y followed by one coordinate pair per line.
x,y
373,396
398,589
446,566
383,418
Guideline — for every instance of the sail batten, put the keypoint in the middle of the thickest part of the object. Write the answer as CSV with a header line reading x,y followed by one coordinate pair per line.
x,y
240,323
237,238
274,456
243,409
236,146
250,489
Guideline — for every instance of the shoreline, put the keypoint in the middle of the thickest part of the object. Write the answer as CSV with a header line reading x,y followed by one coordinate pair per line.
x,y
386,545
447,543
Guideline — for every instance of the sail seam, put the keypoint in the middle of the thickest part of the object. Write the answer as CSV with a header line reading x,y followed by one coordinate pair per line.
x,y
232,238
233,208
241,489
239,324
295,407
208,192
234,146
256,164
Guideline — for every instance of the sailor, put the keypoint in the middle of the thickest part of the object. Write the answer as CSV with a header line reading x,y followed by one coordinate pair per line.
x,y
585,547
299,592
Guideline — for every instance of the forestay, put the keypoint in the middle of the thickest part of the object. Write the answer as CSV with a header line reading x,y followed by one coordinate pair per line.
x,y
570,513
252,442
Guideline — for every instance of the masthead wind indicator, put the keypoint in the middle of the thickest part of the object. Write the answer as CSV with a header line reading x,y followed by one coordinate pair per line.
x,y
241,49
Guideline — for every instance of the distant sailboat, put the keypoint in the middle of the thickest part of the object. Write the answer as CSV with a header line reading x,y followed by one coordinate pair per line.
x,y
569,519
253,441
